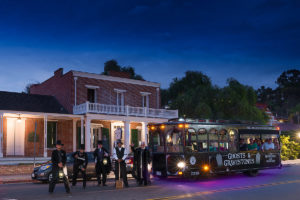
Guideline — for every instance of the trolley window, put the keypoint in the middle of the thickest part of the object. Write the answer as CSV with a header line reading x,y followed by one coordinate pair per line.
x,y
157,142
250,142
202,140
174,141
270,142
223,140
213,140
233,140
191,140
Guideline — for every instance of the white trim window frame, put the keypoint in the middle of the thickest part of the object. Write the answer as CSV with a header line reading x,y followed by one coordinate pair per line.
x,y
120,96
93,87
145,99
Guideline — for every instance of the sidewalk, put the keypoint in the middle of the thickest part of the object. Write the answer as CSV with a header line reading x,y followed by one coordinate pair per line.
x,y
291,162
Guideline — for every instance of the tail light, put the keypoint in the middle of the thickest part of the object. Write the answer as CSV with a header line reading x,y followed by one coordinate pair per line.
x,y
129,160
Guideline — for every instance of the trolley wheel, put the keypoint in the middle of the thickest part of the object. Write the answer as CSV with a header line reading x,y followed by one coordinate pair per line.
x,y
251,173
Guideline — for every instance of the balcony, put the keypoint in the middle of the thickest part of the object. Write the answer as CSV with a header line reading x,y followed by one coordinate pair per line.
x,y
97,108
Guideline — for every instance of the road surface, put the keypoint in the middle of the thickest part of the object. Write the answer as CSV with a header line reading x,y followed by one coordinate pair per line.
x,y
281,184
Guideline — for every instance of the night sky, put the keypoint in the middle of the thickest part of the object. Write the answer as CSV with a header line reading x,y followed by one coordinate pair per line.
x,y
252,41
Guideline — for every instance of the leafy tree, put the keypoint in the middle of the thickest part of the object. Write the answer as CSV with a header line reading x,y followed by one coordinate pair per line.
x,y
290,149
195,97
27,87
112,65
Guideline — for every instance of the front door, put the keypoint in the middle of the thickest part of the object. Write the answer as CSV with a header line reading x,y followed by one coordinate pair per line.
x,y
15,137
96,135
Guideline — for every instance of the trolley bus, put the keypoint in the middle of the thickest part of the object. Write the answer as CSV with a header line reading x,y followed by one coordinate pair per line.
x,y
192,149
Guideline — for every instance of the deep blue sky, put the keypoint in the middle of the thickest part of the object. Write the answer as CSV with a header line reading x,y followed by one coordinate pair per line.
x,y
252,41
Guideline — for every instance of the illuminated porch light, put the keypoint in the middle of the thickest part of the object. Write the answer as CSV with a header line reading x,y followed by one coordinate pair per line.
x,y
19,119
162,127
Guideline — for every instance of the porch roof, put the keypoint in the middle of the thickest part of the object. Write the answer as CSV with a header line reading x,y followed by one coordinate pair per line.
x,y
30,102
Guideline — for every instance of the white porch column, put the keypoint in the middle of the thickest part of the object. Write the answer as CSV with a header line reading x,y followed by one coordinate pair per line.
x,y
144,133
87,134
74,134
127,134
112,137
81,131
45,135
1,135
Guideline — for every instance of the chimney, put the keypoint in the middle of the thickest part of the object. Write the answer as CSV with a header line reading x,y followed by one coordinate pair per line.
x,y
59,72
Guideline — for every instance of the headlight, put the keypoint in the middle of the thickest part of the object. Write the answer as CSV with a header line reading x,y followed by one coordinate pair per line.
x,y
45,167
104,161
181,164
61,174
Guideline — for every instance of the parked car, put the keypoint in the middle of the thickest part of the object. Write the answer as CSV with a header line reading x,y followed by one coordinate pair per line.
x,y
43,172
129,163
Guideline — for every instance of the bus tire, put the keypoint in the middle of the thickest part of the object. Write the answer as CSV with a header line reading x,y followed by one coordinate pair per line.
x,y
251,173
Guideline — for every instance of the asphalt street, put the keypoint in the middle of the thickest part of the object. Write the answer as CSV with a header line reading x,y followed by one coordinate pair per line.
x,y
281,184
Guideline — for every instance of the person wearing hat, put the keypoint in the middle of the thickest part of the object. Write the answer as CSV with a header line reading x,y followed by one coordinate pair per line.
x,y
59,160
99,154
80,164
119,154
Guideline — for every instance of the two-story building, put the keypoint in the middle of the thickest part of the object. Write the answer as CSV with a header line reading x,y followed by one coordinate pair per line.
x,y
96,107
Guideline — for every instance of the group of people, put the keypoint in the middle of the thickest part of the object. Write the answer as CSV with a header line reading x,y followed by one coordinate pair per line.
x,y
257,144
140,165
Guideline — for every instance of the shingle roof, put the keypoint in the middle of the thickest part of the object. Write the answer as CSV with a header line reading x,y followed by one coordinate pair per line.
x,y
30,103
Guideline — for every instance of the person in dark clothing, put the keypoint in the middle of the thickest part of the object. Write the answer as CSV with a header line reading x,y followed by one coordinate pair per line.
x,y
141,161
59,160
99,154
243,145
119,154
80,164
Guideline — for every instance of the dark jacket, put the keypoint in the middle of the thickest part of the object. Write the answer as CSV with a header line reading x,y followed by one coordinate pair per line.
x,y
57,157
82,159
137,156
102,153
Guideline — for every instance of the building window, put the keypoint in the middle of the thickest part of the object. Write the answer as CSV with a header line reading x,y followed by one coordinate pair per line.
x,y
51,134
120,99
91,95
145,101
120,96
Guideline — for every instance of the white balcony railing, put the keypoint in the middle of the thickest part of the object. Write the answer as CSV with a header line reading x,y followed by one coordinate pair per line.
x,y
124,110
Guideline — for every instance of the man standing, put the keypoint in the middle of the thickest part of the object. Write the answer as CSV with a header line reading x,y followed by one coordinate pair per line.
x,y
80,164
119,154
141,161
58,159
99,155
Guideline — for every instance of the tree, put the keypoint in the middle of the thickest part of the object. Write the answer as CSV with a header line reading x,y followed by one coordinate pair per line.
x,y
112,65
290,149
195,97
27,87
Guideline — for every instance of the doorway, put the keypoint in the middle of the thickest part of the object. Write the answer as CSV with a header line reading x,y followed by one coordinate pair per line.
x,y
15,137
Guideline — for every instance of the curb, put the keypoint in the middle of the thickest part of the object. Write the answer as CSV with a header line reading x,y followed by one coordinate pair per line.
x,y
36,181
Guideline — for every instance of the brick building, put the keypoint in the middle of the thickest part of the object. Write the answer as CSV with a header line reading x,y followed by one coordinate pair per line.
x,y
80,108
95,107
